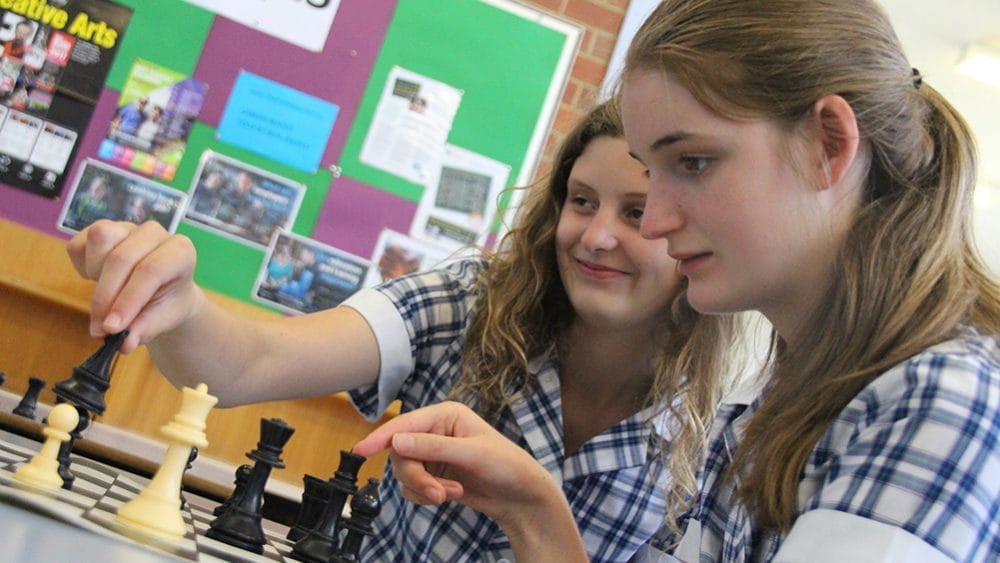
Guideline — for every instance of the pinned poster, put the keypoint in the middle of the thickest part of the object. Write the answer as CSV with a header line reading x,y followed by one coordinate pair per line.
x,y
459,202
151,126
410,125
301,275
303,23
277,121
52,71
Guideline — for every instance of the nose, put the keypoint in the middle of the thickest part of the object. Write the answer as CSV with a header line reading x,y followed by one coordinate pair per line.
x,y
601,233
661,215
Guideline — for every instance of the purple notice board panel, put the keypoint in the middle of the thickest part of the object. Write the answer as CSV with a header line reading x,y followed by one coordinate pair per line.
x,y
338,74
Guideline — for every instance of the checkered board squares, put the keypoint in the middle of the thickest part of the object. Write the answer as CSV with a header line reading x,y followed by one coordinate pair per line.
x,y
100,489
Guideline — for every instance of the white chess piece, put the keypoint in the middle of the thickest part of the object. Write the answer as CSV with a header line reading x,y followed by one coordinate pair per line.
x,y
43,469
157,509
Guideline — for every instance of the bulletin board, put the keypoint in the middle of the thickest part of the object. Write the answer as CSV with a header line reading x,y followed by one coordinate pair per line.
x,y
510,64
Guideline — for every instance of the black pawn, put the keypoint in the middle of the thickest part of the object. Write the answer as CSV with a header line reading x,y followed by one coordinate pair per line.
x,y
321,543
91,379
26,407
239,487
239,524
365,506
315,494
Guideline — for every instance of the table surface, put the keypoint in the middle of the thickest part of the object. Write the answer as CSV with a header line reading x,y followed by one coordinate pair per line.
x,y
28,537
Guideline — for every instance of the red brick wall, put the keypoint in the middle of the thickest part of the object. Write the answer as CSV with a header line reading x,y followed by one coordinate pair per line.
x,y
601,20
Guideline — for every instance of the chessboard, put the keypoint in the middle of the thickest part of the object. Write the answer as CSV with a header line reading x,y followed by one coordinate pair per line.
x,y
98,491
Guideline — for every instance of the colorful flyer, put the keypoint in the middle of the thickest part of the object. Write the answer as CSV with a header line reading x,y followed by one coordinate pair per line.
x,y
153,121
242,202
105,192
56,58
301,275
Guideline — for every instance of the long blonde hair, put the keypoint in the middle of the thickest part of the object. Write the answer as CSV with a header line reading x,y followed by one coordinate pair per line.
x,y
908,274
522,307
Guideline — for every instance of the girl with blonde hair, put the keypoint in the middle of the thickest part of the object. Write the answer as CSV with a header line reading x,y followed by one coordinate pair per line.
x,y
800,167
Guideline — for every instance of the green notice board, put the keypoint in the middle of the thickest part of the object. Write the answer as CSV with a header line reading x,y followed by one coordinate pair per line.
x,y
504,61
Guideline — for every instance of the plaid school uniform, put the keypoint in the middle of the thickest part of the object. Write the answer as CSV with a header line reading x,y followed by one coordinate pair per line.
x,y
911,467
614,482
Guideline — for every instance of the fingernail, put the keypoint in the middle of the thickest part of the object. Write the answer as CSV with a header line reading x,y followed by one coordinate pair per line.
x,y
402,443
112,321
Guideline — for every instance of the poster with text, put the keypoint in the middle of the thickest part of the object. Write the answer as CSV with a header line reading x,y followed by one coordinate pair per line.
x,y
241,201
459,202
301,275
150,128
410,125
56,57
105,192
305,23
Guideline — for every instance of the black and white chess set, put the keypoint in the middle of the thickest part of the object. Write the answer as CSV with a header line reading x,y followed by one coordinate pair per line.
x,y
53,480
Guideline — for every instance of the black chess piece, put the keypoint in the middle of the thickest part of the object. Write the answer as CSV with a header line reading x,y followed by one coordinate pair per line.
x,y
85,390
26,407
191,457
239,524
365,506
316,492
321,543
239,487
91,379
66,447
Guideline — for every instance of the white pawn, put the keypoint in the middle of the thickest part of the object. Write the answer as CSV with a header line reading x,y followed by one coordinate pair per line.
x,y
43,469
157,509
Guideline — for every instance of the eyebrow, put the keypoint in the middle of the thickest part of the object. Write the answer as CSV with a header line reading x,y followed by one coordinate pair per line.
x,y
664,141
669,139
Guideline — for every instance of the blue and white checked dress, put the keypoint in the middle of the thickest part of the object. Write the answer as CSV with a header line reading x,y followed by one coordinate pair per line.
x,y
909,471
613,482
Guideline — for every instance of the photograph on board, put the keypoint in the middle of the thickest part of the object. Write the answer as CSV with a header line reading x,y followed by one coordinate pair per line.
x,y
104,192
241,201
301,275
397,254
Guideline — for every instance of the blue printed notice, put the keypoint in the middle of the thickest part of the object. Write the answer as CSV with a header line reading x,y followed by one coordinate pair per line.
x,y
278,122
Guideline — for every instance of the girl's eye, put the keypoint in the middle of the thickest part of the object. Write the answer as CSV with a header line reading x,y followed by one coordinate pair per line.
x,y
579,201
695,165
635,213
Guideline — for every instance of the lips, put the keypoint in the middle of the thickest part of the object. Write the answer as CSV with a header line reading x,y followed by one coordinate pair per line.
x,y
689,262
597,271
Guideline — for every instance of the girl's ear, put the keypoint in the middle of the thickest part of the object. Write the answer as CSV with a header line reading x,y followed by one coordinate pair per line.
x,y
838,134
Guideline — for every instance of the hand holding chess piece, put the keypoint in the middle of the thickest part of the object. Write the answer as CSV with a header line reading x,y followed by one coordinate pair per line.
x,y
43,469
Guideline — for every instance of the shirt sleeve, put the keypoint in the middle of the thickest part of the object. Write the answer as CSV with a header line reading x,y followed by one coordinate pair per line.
x,y
921,455
396,361
829,536
420,322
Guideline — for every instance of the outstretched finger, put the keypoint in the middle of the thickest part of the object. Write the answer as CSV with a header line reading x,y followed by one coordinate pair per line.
x,y
442,418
